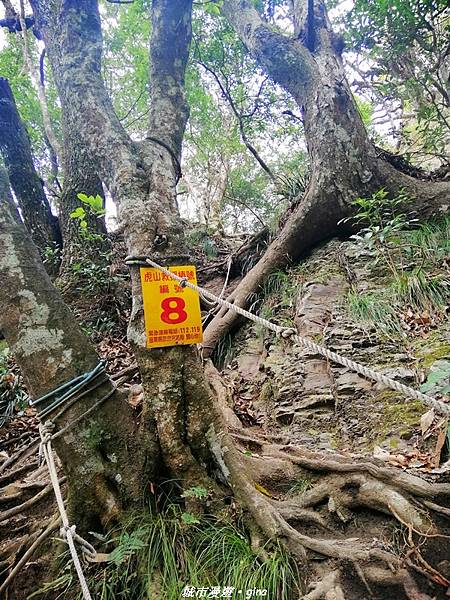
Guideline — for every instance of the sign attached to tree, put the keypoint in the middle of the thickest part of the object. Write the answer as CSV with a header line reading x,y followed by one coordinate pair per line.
x,y
172,313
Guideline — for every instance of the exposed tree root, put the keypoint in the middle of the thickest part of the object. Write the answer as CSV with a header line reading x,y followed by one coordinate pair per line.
x,y
7,514
346,484
13,475
32,547
23,452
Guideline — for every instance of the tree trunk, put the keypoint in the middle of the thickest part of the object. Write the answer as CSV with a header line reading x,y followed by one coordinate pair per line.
x,y
26,183
80,176
99,455
344,163
142,180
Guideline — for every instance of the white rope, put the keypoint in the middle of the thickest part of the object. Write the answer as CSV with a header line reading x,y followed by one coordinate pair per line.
x,y
439,406
67,530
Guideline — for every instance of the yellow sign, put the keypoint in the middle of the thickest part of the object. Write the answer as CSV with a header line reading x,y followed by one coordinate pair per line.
x,y
172,313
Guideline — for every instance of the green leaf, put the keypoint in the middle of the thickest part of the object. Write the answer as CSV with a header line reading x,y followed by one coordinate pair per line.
x,y
212,9
196,492
96,203
189,519
78,213
83,224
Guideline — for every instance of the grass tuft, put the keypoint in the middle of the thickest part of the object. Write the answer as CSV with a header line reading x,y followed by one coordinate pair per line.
x,y
156,556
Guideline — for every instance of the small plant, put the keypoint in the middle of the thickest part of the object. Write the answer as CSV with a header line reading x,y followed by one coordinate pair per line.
x,y
383,222
374,309
52,255
93,206
196,492
421,290
157,555
413,257
438,379
300,486
12,394
224,352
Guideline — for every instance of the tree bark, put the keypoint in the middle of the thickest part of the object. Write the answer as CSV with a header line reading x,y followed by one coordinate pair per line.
x,y
26,183
99,455
80,176
345,164
142,179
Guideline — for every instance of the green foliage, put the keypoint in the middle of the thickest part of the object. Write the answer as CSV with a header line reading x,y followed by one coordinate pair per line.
x,y
416,259
196,492
276,300
438,379
299,486
126,34
375,309
189,519
12,394
421,290
366,110
382,216
52,255
401,45
156,556
224,351
94,207
93,277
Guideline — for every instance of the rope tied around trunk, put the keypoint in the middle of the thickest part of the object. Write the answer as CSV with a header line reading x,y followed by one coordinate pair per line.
x,y
65,396
291,333
68,532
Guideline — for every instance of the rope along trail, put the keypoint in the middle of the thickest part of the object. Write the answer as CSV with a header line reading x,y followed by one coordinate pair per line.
x,y
287,332
65,396
68,530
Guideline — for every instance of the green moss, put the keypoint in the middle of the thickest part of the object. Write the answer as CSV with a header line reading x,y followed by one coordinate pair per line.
x,y
268,392
430,356
397,416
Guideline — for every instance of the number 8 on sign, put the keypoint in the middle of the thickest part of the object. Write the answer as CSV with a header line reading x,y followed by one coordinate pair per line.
x,y
172,313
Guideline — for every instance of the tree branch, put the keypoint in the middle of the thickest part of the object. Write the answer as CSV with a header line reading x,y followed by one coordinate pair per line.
x,y
294,63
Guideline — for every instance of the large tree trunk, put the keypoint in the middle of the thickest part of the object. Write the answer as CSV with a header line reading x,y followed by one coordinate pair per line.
x,y
80,176
345,164
99,455
142,180
26,183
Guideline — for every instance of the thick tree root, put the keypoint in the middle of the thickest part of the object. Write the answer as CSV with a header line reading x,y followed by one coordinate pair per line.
x,y
252,466
33,544
7,514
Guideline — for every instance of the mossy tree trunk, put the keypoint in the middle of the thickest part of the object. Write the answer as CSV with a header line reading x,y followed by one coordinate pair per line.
x,y
27,185
345,164
99,455
142,179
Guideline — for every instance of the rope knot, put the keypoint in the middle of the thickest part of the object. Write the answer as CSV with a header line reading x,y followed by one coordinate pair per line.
x,y
288,332
46,431
65,529
183,282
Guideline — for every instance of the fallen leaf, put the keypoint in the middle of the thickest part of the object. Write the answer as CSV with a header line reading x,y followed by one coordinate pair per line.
x,y
439,444
426,420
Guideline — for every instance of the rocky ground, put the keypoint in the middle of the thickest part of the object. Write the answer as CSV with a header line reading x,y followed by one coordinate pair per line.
x,y
279,386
